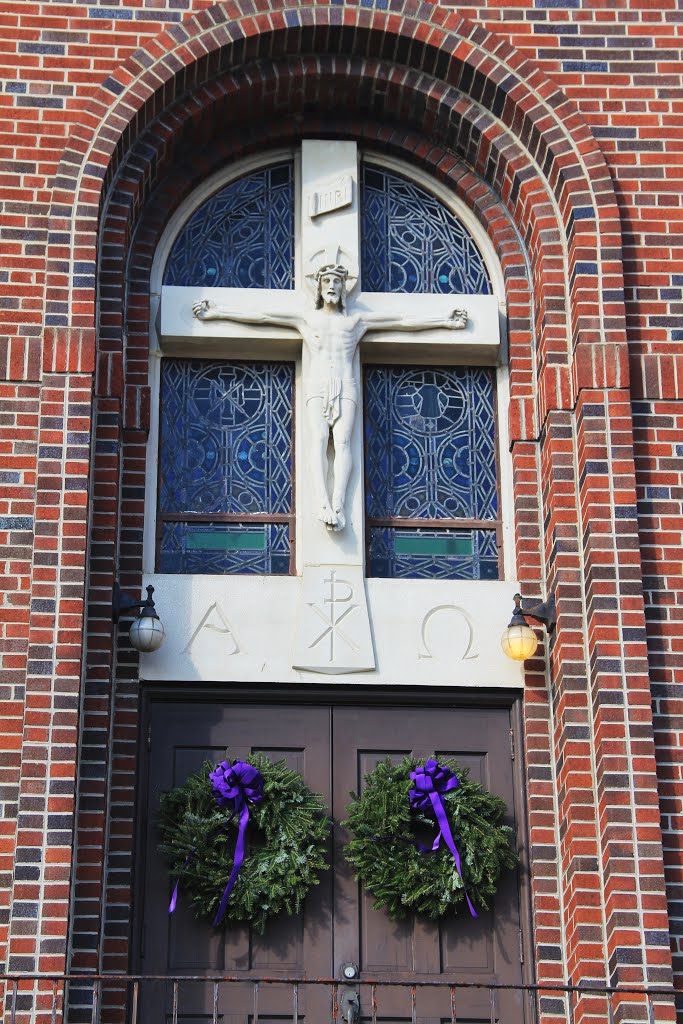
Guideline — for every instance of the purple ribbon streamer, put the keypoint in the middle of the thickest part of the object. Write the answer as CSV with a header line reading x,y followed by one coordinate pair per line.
x,y
243,785
190,857
174,898
431,780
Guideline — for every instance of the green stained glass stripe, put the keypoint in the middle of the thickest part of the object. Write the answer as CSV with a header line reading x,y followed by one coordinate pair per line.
x,y
222,540
430,545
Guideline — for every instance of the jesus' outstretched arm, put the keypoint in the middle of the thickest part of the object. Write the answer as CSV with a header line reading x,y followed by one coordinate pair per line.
x,y
455,321
205,309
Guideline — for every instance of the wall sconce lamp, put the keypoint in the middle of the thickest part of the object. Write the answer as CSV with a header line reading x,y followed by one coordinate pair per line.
x,y
146,631
519,641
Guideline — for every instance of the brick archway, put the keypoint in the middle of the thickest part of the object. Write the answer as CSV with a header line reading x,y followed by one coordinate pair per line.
x,y
470,87
442,92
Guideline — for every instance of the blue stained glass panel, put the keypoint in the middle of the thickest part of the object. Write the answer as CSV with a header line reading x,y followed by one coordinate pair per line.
x,y
242,237
411,242
430,443
221,548
423,553
226,437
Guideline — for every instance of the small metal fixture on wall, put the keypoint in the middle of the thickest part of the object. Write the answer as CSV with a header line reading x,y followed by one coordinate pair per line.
x,y
519,641
146,631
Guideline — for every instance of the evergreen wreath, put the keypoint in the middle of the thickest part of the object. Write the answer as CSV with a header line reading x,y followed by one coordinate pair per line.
x,y
288,842
387,850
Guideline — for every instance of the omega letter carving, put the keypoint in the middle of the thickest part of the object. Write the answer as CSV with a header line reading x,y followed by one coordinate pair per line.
x,y
332,388
424,650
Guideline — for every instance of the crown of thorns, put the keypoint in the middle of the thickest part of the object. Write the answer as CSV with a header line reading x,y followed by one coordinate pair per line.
x,y
336,270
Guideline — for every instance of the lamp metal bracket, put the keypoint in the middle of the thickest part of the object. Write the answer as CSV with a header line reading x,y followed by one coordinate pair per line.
x,y
123,604
545,612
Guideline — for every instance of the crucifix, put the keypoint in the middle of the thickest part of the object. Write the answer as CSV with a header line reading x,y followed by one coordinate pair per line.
x,y
332,388
325,318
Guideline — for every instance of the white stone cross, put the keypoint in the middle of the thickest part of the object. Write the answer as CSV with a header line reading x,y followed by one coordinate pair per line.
x,y
241,323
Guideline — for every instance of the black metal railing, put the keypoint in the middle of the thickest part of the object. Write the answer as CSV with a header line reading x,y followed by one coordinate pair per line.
x,y
171,999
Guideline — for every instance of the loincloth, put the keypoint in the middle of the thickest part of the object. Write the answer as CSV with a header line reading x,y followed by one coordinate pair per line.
x,y
332,391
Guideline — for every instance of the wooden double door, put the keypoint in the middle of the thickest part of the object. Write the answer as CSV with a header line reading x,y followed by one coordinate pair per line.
x,y
333,747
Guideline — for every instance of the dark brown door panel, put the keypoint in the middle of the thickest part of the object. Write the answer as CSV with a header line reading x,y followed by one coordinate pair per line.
x,y
333,748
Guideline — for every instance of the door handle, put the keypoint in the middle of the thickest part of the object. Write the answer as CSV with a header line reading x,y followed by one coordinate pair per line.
x,y
350,1006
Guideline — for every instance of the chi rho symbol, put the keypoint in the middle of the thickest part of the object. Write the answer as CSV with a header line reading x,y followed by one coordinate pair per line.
x,y
338,608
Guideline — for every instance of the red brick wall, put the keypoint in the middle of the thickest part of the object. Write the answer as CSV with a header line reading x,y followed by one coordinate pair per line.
x,y
658,427
593,796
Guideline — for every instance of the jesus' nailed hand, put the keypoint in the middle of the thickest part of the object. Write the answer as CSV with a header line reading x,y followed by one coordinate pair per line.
x,y
332,388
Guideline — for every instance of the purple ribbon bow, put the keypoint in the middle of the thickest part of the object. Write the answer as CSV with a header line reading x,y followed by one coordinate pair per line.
x,y
431,780
240,784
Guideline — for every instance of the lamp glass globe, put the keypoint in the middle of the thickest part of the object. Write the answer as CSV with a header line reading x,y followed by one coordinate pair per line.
x,y
519,642
146,634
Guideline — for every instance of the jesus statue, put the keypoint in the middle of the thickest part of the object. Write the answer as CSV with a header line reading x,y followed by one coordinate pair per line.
x,y
332,387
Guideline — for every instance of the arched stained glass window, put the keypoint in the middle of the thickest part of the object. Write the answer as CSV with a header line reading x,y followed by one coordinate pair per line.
x,y
225,481
411,242
430,468
242,237
226,496
226,429
430,457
